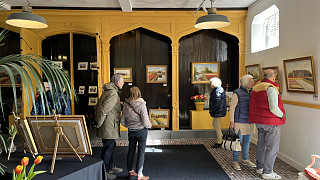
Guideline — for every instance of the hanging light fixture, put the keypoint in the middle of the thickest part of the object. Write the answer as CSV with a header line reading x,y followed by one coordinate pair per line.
x,y
26,19
212,20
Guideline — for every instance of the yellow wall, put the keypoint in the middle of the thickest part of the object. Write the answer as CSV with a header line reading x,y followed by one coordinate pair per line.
x,y
106,24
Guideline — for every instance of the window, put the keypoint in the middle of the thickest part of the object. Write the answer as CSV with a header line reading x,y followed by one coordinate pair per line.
x,y
265,30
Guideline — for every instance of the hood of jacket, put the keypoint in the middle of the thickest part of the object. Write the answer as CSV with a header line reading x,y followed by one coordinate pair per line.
x,y
110,86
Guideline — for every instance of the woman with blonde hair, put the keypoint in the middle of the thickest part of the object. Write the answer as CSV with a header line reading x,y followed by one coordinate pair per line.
x,y
135,118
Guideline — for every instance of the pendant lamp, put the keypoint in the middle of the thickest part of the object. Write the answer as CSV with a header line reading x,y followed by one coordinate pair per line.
x,y
212,20
26,19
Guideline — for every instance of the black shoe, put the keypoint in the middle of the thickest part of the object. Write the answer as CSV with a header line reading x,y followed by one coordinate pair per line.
x,y
216,145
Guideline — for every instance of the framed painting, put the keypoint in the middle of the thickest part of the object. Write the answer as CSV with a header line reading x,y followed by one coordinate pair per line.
x,y
82,65
254,71
159,117
58,64
202,72
26,135
81,89
125,72
93,65
276,70
156,73
93,101
6,81
93,90
74,127
300,75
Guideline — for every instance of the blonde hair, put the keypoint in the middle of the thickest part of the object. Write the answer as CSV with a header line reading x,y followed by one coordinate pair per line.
x,y
134,93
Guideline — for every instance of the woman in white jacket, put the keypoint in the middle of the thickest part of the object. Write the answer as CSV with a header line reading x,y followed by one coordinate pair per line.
x,y
135,118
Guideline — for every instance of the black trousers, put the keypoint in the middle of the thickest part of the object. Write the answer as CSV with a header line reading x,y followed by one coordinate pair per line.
x,y
107,152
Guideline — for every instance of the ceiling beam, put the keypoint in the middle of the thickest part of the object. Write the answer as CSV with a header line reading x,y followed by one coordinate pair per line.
x,y
125,5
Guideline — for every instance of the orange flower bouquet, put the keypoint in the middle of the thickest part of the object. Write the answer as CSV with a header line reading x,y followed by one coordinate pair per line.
x,y
199,98
20,172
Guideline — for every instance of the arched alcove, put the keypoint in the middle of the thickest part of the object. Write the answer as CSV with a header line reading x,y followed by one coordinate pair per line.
x,y
205,46
136,49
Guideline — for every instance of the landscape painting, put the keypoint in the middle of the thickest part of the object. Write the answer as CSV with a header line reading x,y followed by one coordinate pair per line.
x,y
156,73
299,74
159,117
203,72
254,71
125,72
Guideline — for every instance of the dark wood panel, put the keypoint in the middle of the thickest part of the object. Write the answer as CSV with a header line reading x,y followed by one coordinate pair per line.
x,y
205,46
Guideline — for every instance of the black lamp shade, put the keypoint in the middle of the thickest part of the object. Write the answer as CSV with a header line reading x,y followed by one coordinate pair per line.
x,y
27,20
212,21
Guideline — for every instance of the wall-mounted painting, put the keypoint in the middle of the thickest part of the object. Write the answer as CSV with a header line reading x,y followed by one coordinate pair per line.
x,y
82,65
299,74
276,70
201,73
93,101
157,73
125,72
58,64
254,71
93,65
159,117
81,89
92,89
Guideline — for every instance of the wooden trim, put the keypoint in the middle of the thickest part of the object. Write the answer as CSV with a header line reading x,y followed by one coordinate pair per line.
x,y
307,105
72,70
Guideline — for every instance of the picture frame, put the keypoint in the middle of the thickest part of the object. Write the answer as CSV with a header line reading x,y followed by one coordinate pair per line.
x,y
74,127
93,65
82,66
157,73
300,75
81,89
228,97
276,70
202,72
92,101
255,71
59,64
125,72
26,136
93,90
159,118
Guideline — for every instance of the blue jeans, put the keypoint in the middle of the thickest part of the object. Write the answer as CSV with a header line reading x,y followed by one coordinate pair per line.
x,y
107,152
245,142
140,137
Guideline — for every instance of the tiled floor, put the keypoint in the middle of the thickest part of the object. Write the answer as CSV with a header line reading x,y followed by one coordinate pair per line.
x,y
224,158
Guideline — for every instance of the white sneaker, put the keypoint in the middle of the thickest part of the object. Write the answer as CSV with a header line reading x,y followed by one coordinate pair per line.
x,y
236,166
273,175
249,163
259,171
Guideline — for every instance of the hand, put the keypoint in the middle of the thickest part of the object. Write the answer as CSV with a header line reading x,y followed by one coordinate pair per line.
x,y
231,124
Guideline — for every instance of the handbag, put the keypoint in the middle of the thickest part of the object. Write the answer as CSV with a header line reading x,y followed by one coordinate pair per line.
x,y
313,173
231,141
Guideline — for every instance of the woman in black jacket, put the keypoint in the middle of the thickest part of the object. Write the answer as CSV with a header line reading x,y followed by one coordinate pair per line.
x,y
218,107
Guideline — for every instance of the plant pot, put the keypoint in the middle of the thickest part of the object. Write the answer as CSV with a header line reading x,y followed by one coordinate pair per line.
x,y
199,106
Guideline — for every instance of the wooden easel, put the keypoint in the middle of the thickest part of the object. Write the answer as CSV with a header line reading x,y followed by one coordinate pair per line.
x,y
59,132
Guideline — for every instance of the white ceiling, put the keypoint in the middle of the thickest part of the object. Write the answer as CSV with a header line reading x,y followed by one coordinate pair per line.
x,y
128,5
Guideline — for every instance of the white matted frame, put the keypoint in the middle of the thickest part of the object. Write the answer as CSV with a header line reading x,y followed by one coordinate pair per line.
x,y
82,65
92,101
93,90
58,64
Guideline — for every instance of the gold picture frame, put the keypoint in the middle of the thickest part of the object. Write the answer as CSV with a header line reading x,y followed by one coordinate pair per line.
x,y
157,73
300,75
26,135
255,71
202,72
125,72
73,126
159,118
276,70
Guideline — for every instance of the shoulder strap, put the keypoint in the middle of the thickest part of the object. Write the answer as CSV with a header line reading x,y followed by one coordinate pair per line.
x,y
133,108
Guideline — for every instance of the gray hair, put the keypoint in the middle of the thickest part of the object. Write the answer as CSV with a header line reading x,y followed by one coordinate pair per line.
x,y
116,78
215,82
245,79
269,73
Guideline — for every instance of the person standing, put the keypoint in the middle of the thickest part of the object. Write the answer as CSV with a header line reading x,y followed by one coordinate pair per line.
x,y
266,110
239,116
107,118
135,117
217,107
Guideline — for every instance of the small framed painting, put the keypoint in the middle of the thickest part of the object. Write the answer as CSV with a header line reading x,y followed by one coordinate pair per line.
x,y
82,65
125,72
93,101
58,64
93,65
254,71
202,72
159,117
93,89
156,73
276,70
300,75
82,89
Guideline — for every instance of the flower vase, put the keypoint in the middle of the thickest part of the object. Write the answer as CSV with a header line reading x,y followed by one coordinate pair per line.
x,y
199,106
